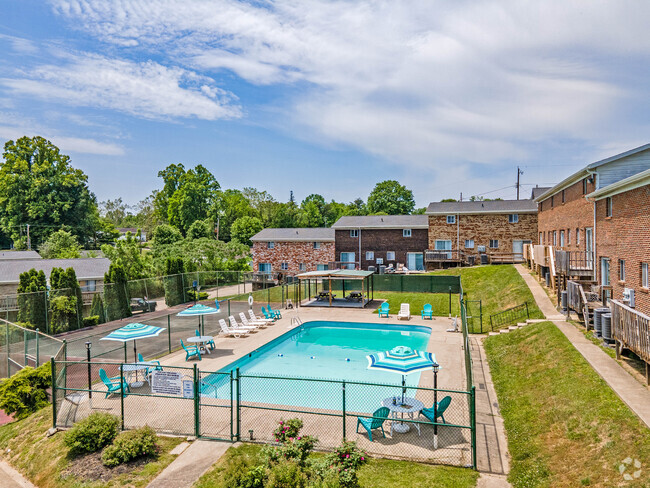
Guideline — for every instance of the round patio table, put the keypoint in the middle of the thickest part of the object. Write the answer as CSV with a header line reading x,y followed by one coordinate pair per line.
x,y
131,369
201,341
411,406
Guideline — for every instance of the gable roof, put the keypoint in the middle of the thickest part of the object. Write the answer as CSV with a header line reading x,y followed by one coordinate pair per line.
x,y
5,255
298,234
482,207
382,222
630,183
539,190
85,268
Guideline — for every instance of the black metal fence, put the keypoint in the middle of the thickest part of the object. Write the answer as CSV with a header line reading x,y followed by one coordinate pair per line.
x,y
509,316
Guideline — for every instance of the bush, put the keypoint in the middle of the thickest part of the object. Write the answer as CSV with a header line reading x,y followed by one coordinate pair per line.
x,y
25,392
92,433
287,429
239,474
202,295
90,321
286,474
129,446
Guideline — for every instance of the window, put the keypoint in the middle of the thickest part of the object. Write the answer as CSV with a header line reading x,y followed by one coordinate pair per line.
x,y
316,245
451,219
406,233
561,238
644,275
380,261
322,267
302,267
370,255
390,255
354,233
284,266
563,196
555,238
577,237
540,238
621,269
91,285
584,186
552,203
608,207
494,243
264,267
513,218
270,245
568,237
469,243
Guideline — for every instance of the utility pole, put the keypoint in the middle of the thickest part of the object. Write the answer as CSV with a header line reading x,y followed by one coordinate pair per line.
x,y
29,242
461,196
519,172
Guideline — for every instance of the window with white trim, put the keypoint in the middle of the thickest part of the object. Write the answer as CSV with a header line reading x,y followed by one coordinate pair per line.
x,y
379,261
494,243
284,266
644,275
390,255
621,269
264,267
370,255
608,207
577,236
561,238
302,267
406,233
316,245
555,238
354,233
322,267
469,243
513,218
270,245
568,237
451,219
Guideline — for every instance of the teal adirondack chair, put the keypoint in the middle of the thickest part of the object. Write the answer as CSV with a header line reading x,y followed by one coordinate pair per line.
x,y
113,384
427,311
209,343
275,313
267,315
384,309
191,351
380,415
442,406
151,369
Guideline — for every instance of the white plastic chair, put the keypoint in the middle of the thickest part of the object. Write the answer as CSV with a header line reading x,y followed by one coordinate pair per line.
x,y
236,326
230,332
253,323
404,311
255,318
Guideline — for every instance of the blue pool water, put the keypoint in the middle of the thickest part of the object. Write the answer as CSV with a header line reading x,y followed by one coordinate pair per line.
x,y
326,350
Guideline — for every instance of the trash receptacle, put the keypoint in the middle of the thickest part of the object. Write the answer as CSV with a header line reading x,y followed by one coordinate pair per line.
x,y
484,259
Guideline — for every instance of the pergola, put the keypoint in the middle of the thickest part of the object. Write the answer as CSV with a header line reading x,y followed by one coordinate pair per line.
x,y
365,277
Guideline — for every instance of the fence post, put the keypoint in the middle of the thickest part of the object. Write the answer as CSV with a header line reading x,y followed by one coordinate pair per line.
x,y
47,324
25,347
196,402
472,413
217,273
122,393
125,358
528,314
8,349
231,406
169,333
229,307
38,363
344,411
65,368
480,307
237,395
53,369
450,302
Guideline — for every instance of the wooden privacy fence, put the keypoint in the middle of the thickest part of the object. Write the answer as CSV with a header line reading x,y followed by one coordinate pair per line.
x,y
631,330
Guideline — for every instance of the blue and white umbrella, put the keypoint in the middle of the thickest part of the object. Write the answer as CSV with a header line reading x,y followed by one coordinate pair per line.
x,y
199,310
402,360
132,332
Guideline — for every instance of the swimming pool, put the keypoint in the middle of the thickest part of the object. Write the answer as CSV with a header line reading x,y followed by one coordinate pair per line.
x,y
326,350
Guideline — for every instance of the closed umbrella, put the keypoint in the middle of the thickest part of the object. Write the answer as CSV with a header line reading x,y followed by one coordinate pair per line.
x,y
198,310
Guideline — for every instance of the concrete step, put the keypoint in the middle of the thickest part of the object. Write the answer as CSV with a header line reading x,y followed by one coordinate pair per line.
x,y
492,333
504,331
513,327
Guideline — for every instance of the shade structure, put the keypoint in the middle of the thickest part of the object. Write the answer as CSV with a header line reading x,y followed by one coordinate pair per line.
x,y
133,332
199,310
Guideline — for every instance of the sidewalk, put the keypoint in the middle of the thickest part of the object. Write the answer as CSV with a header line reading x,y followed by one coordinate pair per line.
x,y
10,478
633,393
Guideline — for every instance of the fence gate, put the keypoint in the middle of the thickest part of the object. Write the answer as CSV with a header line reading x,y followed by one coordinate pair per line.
x,y
215,405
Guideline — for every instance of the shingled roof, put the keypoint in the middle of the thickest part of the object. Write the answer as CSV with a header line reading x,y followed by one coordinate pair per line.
x,y
479,207
85,268
5,255
382,222
299,234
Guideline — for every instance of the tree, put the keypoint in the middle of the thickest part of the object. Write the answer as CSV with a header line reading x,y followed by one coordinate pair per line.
x,y
66,304
174,281
262,202
244,228
419,211
200,228
356,208
128,254
97,308
166,234
60,245
116,298
233,205
286,215
392,198
32,299
39,186
115,211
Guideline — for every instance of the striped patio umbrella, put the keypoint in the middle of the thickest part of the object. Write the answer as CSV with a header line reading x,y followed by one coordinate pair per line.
x,y
132,332
199,310
402,360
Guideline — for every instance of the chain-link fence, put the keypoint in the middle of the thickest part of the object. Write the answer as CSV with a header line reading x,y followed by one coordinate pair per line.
x,y
20,347
423,424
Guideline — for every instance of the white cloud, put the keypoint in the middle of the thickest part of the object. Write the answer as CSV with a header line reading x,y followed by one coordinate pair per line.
x,y
146,89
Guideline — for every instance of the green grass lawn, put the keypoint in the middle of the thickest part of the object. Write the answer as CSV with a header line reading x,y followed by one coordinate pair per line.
x,y
378,473
43,460
565,426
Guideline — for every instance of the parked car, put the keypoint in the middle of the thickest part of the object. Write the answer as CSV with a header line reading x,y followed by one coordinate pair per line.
x,y
142,305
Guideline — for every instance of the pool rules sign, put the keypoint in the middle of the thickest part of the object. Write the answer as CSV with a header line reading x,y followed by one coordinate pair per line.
x,y
171,383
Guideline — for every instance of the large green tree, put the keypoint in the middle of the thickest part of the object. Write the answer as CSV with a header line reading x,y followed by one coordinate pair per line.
x,y
233,205
244,228
32,299
60,245
391,198
39,186
128,254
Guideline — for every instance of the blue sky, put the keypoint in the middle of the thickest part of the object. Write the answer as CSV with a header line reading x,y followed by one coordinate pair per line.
x,y
327,97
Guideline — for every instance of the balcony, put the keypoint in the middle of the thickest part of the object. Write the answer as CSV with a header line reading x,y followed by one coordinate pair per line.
x,y
574,263
440,256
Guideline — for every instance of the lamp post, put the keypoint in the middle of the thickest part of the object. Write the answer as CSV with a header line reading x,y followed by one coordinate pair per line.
x,y
90,389
435,367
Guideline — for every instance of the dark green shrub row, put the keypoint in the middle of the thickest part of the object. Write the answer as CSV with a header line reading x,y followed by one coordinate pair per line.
x,y
25,392
92,433
90,321
129,446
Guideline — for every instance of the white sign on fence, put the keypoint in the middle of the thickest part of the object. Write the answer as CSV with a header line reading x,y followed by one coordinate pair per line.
x,y
167,383
188,389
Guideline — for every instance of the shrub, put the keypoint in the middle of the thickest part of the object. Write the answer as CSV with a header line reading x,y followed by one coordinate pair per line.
x,y
286,475
294,449
92,433
90,321
25,392
129,446
239,474
202,295
343,462
287,429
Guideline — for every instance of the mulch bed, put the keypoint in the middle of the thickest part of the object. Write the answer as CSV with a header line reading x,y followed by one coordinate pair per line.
x,y
90,467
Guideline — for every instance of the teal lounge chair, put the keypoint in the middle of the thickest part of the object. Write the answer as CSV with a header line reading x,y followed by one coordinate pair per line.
x,y
442,406
275,313
267,315
384,309
427,311
209,343
377,422
191,351
113,384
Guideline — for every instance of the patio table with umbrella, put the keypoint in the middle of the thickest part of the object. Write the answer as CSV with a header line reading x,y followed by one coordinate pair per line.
x,y
133,332
199,310
402,360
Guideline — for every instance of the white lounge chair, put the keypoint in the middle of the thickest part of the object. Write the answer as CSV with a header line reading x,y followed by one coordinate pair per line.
x,y
230,332
255,318
235,325
252,323
404,311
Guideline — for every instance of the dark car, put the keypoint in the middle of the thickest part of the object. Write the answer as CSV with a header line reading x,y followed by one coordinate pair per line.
x,y
142,305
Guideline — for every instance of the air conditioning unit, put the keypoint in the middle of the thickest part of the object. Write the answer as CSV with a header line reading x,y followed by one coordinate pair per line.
x,y
481,248
628,297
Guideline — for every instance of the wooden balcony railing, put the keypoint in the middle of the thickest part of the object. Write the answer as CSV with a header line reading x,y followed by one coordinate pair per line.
x,y
631,330
574,262
344,265
442,256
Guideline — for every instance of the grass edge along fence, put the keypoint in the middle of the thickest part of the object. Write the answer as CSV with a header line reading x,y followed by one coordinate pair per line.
x,y
236,414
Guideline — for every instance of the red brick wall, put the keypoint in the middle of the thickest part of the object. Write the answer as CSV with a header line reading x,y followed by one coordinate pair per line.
x,y
575,213
380,241
626,235
293,253
482,228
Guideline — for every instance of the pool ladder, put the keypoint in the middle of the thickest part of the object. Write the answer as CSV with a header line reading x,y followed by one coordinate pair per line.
x,y
296,321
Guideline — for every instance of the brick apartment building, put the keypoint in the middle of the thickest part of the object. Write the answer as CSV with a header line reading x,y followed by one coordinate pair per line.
x,y
577,216
377,240
292,251
498,228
